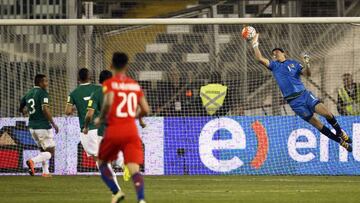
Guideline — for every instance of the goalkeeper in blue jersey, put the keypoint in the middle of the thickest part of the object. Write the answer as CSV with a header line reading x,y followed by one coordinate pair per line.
x,y
287,75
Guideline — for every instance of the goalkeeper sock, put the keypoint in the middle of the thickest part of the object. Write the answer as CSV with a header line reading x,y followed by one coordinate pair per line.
x,y
326,131
138,181
43,156
333,122
108,176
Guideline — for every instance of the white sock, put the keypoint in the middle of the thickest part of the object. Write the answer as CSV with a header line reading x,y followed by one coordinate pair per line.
x,y
97,165
114,175
43,156
45,167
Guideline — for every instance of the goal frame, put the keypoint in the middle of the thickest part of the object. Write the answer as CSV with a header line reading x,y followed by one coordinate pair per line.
x,y
178,21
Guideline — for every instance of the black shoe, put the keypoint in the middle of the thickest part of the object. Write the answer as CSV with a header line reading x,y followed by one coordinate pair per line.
x,y
346,145
345,137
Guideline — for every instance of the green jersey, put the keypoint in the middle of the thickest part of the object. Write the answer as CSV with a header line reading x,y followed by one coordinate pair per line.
x,y
80,97
35,99
95,103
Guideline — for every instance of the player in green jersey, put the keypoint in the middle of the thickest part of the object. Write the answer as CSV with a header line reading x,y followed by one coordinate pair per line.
x,y
94,107
95,103
35,103
79,98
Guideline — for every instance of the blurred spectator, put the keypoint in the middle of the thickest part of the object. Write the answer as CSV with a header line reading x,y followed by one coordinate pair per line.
x,y
172,93
349,96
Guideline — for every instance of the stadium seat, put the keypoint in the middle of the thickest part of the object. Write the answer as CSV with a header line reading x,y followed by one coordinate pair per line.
x,y
225,9
182,48
166,38
160,66
171,57
200,28
193,38
137,66
227,57
203,48
146,57
223,29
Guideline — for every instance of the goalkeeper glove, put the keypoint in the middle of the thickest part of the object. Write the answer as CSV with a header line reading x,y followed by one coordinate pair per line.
x,y
255,40
306,58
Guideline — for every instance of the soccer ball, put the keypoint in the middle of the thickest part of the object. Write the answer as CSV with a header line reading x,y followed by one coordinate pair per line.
x,y
248,33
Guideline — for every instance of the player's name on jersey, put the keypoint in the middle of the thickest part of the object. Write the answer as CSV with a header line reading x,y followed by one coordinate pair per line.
x,y
125,86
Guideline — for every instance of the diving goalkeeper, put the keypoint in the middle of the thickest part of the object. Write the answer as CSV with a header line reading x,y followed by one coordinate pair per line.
x,y
287,75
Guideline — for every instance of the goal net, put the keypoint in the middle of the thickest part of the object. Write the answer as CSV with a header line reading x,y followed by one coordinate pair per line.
x,y
215,109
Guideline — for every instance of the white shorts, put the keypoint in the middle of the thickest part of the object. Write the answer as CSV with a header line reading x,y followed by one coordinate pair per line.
x,y
44,138
91,142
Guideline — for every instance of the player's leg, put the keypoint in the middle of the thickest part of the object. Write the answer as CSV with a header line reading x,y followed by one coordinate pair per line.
x,y
304,106
138,181
327,132
133,158
323,129
45,164
107,153
119,163
323,111
109,178
91,143
44,139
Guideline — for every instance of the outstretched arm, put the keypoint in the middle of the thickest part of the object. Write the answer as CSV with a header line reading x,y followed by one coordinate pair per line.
x,y
258,56
306,69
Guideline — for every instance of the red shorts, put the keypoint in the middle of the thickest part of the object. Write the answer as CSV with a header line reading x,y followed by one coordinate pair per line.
x,y
117,139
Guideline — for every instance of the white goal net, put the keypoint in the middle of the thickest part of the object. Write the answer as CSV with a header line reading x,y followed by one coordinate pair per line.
x,y
238,125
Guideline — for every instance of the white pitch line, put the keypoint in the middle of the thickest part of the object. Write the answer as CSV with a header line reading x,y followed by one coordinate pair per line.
x,y
248,191
258,180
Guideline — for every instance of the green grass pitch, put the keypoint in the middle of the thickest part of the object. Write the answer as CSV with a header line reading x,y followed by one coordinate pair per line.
x,y
161,189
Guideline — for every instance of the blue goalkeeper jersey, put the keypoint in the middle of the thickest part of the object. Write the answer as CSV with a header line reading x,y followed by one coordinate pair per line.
x,y
287,76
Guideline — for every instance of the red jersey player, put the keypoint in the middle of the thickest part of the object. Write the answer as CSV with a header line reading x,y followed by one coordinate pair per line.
x,y
122,95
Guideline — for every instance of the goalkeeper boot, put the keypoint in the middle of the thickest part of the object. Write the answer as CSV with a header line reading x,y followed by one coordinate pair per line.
x,y
118,197
31,166
126,174
345,137
346,145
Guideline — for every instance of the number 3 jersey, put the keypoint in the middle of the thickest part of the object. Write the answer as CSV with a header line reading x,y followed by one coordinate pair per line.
x,y
127,94
80,97
35,99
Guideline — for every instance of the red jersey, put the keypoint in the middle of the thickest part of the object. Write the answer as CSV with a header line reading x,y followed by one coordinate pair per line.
x,y
127,94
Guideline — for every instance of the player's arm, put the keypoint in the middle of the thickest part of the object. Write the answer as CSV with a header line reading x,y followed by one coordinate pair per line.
x,y
258,56
22,108
141,121
144,108
306,67
88,117
48,116
108,100
69,109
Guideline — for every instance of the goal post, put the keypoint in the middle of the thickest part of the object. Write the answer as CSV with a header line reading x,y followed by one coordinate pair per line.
x,y
215,109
